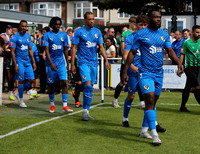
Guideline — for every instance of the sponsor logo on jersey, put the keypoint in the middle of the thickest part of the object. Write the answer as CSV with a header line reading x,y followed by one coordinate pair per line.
x,y
56,47
163,39
154,49
84,77
90,44
146,87
96,36
24,47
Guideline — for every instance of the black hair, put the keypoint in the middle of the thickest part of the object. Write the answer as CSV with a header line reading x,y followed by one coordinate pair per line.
x,y
87,13
151,11
46,28
53,20
23,21
195,27
142,18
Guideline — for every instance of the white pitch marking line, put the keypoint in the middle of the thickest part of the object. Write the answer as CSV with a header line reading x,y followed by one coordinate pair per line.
x,y
45,121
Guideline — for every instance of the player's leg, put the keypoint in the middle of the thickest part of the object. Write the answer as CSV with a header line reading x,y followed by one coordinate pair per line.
x,y
51,76
79,87
86,72
131,88
147,86
20,77
118,89
142,103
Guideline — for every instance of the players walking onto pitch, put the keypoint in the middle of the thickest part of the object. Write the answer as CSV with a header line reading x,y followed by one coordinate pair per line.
x,y
151,41
21,50
55,43
190,52
86,39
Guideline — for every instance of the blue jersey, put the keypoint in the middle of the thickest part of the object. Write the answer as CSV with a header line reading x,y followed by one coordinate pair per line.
x,y
176,46
56,43
35,53
87,41
151,44
21,44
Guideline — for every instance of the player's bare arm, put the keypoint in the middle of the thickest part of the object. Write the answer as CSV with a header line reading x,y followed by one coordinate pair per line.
x,y
66,56
73,68
173,56
135,69
104,56
30,51
53,67
129,60
14,60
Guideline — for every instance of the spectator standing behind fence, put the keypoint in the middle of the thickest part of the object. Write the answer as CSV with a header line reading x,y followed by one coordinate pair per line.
x,y
20,51
111,49
86,39
186,33
176,45
55,43
190,57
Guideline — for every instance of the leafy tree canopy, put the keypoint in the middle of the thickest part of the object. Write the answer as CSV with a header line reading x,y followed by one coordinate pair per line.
x,y
143,6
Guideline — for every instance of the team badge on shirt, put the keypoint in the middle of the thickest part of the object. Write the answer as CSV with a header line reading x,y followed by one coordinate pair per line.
x,y
84,77
50,79
28,40
146,87
20,77
62,39
130,89
96,36
163,39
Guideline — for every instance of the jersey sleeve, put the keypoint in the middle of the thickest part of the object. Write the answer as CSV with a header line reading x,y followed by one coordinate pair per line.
x,y
45,41
136,42
100,39
128,43
66,40
122,37
13,42
76,39
112,48
184,48
29,43
167,42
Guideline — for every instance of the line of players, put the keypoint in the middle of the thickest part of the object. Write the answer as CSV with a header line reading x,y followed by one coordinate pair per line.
x,y
143,49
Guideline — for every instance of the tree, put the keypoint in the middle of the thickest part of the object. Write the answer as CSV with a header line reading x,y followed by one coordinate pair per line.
x,y
143,6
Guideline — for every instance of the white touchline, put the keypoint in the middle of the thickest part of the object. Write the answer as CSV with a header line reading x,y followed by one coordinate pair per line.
x,y
45,121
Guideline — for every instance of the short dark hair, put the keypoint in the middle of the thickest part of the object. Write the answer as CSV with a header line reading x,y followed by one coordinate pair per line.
x,y
184,30
151,11
23,21
132,19
53,20
142,18
46,28
111,38
87,13
195,27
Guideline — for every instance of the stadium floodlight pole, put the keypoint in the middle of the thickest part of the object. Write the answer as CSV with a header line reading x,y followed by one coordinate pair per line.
x,y
102,79
1,79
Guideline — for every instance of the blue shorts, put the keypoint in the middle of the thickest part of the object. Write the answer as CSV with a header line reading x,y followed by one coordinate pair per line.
x,y
25,71
88,73
59,74
151,82
131,86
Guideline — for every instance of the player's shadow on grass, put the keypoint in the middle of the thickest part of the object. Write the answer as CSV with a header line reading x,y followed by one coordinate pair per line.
x,y
115,134
164,109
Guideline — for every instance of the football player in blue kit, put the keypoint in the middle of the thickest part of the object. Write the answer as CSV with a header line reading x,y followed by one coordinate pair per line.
x,y
55,43
20,51
151,41
132,84
86,40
